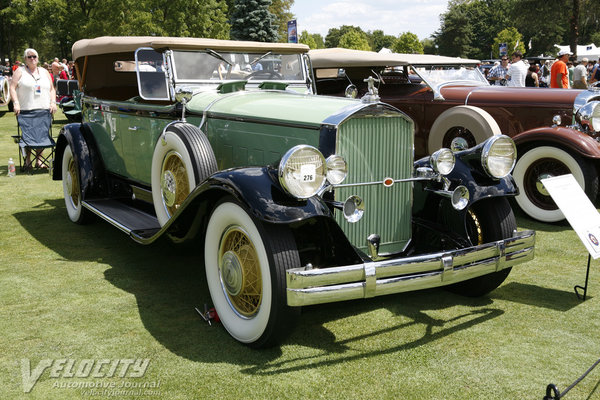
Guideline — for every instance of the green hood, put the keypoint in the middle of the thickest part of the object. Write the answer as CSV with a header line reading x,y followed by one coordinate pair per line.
x,y
278,106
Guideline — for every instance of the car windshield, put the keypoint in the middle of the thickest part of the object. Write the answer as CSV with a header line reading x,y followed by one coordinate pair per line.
x,y
437,76
211,66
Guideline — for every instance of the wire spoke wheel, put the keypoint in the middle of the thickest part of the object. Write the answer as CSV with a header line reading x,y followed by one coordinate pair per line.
x,y
239,269
174,182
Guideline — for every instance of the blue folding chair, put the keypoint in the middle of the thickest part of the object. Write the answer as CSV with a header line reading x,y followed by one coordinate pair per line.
x,y
34,134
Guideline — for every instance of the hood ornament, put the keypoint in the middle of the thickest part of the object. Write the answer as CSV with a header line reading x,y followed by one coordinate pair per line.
x,y
372,95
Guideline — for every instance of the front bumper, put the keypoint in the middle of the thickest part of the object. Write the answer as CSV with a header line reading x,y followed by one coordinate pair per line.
x,y
370,279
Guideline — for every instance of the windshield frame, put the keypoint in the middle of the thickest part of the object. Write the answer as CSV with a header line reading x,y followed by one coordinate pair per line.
x,y
436,87
231,74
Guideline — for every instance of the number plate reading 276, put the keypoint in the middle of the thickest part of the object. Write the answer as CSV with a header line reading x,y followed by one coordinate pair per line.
x,y
308,173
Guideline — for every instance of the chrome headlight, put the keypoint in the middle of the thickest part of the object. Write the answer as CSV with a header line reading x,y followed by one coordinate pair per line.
x,y
302,171
337,169
588,116
499,156
442,161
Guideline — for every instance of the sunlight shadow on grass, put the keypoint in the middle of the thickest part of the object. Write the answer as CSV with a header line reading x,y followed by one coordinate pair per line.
x,y
537,296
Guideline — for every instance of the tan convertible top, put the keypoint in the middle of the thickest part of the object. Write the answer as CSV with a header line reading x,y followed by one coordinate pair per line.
x,y
124,44
337,57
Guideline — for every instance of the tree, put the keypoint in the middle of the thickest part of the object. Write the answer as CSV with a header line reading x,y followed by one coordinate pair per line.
x,y
354,40
379,40
252,20
281,10
429,46
408,43
513,40
314,41
335,34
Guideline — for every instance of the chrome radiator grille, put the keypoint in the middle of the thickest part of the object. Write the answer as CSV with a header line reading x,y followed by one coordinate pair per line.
x,y
378,147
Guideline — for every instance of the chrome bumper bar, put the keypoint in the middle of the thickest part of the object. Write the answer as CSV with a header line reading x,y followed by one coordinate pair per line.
x,y
325,285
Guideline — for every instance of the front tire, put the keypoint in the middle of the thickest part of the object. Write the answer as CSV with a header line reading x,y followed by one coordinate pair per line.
x,y
182,159
245,264
487,221
72,188
547,161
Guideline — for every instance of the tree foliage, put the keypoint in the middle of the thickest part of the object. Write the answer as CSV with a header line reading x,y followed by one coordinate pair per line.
x,y
25,23
408,43
513,40
314,41
252,20
379,40
334,35
354,40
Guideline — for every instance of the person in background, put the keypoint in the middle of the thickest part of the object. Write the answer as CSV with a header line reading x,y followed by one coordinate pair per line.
x,y
570,68
498,73
532,79
595,74
55,68
516,71
16,65
559,74
33,96
580,75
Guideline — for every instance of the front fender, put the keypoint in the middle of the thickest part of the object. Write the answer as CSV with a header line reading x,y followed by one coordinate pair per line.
x,y
257,189
568,138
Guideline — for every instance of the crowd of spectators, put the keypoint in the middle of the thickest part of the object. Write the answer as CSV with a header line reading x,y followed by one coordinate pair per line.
x,y
58,69
560,73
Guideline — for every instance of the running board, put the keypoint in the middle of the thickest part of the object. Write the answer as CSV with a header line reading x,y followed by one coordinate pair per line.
x,y
128,219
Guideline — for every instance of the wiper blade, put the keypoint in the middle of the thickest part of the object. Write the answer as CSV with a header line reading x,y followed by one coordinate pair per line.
x,y
260,58
220,57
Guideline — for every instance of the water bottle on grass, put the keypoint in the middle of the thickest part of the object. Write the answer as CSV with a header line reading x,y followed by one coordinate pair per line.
x,y
11,168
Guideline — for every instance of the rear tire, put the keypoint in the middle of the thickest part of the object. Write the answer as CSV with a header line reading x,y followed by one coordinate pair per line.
x,y
487,221
246,263
72,189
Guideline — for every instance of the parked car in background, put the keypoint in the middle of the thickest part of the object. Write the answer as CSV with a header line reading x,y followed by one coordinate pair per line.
x,y
556,131
4,92
296,199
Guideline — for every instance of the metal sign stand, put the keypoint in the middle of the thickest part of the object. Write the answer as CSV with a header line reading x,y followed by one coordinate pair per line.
x,y
587,276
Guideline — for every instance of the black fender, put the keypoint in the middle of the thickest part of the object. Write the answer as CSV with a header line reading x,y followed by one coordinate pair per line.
x,y
257,188
91,168
318,235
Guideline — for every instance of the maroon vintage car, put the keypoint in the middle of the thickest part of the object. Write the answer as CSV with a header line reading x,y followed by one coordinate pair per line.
x,y
556,131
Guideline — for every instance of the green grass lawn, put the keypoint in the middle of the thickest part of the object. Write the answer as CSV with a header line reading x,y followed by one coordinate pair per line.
x,y
90,293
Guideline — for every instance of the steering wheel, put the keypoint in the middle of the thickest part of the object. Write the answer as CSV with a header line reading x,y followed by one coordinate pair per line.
x,y
266,73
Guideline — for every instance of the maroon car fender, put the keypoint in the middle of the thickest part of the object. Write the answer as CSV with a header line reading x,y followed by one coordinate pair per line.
x,y
568,138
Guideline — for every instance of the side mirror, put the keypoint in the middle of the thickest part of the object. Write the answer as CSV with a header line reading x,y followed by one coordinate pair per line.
x,y
153,82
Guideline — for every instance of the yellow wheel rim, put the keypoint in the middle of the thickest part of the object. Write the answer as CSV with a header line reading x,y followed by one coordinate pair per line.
x,y
73,183
174,182
477,227
239,270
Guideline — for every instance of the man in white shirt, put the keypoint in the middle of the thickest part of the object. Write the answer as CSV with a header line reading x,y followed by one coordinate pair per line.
x,y
580,75
517,71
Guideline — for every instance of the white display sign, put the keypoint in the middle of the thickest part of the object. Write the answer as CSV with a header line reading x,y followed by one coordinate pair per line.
x,y
578,209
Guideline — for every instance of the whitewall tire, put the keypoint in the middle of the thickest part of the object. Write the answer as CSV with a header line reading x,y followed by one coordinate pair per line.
x,y
72,188
182,159
245,271
543,162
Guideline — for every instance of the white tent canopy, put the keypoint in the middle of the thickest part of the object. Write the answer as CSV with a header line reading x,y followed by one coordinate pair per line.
x,y
589,51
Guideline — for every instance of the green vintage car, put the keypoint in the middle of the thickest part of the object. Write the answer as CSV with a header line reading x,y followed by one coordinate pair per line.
x,y
297,199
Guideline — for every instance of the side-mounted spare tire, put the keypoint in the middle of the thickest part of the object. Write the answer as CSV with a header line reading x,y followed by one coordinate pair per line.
x,y
473,124
182,159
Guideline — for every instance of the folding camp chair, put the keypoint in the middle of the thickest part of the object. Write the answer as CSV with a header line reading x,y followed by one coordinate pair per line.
x,y
34,133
